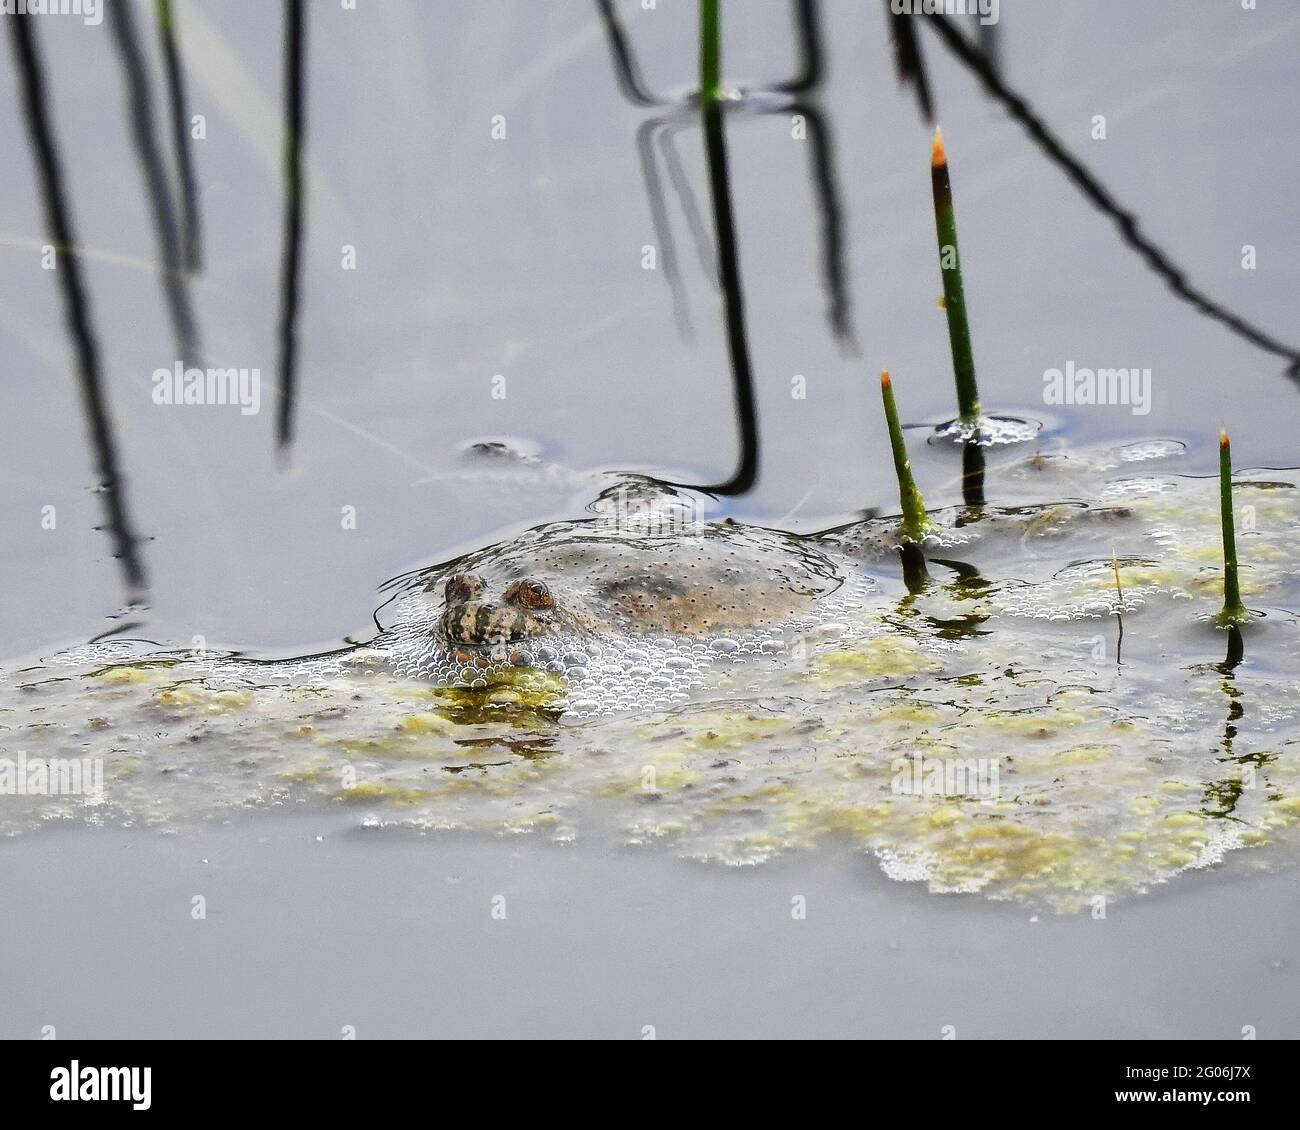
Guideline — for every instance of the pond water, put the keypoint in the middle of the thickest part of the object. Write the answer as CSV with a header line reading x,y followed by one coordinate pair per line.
x,y
475,268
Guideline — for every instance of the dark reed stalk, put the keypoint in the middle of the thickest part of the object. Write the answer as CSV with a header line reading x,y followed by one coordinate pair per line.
x,y
916,574
954,294
826,188
973,467
664,128
76,304
990,45
807,29
909,64
1119,611
121,19
180,116
1100,197
295,33
916,523
1236,650
1234,612
626,70
822,170
715,147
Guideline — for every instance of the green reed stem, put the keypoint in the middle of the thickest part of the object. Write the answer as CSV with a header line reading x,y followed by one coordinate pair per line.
x,y
1234,612
954,295
710,52
916,523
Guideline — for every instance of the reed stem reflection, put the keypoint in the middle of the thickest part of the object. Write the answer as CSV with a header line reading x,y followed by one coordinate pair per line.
x,y
35,102
295,34
144,136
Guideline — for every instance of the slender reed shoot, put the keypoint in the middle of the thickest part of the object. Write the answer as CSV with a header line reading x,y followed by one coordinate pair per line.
x,y
916,523
1234,612
710,52
954,294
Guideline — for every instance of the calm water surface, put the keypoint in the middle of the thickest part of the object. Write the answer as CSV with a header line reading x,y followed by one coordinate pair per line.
x,y
521,257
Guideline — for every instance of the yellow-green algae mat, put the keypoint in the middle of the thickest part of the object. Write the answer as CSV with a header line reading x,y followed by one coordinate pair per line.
x,y
992,733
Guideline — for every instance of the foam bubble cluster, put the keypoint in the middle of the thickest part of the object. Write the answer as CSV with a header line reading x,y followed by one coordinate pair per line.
x,y
603,671
989,431
733,694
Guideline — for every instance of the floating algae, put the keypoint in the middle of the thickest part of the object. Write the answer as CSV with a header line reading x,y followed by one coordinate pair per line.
x,y
730,694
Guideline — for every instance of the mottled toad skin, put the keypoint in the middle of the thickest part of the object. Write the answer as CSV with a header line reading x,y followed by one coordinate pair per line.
x,y
574,578
526,610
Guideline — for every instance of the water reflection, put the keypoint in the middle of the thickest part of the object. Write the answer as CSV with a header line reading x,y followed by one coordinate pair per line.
x,y
1236,650
626,70
715,145
76,305
909,64
916,577
826,191
973,58
177,221
990,44
646,135
140,114
808,30
179,119
295,121
972,473
1222,796
788,99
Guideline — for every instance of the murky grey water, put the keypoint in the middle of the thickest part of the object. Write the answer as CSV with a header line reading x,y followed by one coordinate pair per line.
x,y
521,258
311,927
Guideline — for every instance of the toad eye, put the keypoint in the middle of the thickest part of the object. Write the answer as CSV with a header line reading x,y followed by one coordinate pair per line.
x,y
531,594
